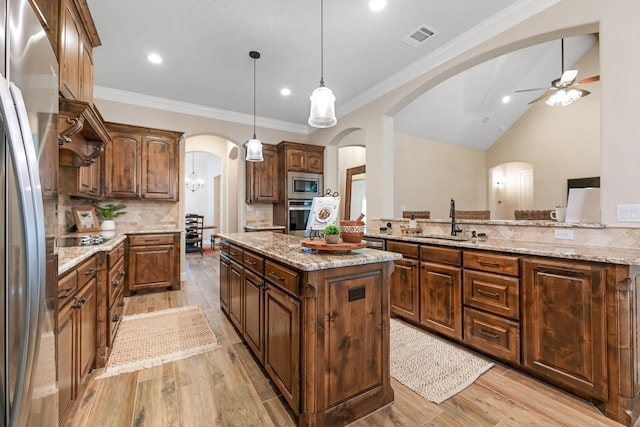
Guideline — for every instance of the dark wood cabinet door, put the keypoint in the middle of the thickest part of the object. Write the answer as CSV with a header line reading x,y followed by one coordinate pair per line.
x,y
315,162
86,315
405,297
253,323
89,179
66,359
159,174
296,160
70,51
86,82
262,178
441,298
224,283
564,329
122,166
151,267
236,273
282,344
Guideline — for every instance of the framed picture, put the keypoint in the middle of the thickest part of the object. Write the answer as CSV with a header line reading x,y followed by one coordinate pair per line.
x,y
85,218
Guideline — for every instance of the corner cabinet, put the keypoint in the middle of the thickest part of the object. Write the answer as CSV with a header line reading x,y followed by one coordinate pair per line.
x,y
564,320
142,163
262,177
154,262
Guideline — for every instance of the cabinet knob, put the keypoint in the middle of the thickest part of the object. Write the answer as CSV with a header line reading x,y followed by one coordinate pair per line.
x,y
115,282
115,318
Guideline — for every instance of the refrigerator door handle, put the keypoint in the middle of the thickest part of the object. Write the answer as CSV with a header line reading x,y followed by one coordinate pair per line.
x,y
27,193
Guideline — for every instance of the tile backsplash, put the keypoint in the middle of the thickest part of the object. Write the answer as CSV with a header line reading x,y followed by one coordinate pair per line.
x,y
259,214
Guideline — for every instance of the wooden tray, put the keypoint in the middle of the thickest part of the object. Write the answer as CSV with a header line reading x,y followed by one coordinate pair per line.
x,y
321,245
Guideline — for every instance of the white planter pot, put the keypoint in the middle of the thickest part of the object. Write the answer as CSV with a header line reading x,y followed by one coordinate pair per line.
x,y
108,225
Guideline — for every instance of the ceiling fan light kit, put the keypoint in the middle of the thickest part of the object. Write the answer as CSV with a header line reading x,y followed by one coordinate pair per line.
x,y
323,112
254,146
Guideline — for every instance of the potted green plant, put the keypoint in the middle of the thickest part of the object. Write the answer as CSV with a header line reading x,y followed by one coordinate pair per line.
x,y
108,212
331,234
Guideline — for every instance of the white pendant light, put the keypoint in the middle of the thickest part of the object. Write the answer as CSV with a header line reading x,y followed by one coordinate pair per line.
x,y
193,181
254,146
323,112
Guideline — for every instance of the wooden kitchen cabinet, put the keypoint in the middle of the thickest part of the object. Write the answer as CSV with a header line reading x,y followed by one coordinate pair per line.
x,y
153,262
564,324
236,277
142,163
116,284
253,313
225,266
302,157
441,290
83,182
76,331
262,177
405,281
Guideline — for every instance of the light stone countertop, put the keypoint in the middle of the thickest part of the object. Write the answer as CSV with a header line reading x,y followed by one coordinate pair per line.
x,y
612,255
69,257
286,248
263,227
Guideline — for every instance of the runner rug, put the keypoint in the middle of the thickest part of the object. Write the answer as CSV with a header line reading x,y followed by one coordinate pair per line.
x,y
430,366
151,339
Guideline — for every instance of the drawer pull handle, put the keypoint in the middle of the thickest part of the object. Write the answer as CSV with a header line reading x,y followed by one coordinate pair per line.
x,y
273,275
489,334
80,303
151,240
121,272
248,261
234,253
490,294
115,282
90,272
488,263
68,292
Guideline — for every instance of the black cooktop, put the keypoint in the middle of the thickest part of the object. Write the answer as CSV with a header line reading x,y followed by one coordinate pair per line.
x,y
65,242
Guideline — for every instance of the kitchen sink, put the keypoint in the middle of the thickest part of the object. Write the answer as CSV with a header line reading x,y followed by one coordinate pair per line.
x,y
443,237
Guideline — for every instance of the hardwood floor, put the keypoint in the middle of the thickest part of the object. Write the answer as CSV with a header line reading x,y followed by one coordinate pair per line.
x,y
226,387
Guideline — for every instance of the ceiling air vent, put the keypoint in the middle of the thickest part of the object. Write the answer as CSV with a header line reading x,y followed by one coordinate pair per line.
x,y
417,37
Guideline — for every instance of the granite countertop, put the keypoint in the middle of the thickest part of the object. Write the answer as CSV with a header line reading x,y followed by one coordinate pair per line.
x,y
68,257
286,248
612,255
263,227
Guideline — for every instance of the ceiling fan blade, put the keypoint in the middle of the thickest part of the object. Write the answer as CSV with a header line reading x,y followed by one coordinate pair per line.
x,y
543,96
568,77
588,80
530,90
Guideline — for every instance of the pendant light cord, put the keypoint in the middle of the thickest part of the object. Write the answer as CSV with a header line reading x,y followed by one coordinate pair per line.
x,y
254,98
321,43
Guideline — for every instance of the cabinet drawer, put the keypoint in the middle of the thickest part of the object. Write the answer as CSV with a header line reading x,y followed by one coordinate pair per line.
x,y
236,254
493,263
116,280
115,315
408,250
281,276
494,335
114,255
441,255
87,271
150,239
224,248
67,287
254,262
492,292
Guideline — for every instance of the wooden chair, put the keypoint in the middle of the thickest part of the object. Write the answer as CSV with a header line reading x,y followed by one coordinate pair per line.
x,y
417,214
473,214
194,224
531,214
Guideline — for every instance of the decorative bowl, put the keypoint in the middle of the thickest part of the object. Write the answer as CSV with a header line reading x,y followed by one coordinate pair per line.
x,y
352,231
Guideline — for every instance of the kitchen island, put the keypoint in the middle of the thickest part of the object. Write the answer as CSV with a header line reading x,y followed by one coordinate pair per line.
x,y
317,322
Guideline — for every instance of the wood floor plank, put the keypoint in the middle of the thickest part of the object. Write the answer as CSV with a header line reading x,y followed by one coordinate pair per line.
x,y
156,402
113,392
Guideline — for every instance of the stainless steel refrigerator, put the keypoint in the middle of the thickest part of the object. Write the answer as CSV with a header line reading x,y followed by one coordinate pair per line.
x,y
28,116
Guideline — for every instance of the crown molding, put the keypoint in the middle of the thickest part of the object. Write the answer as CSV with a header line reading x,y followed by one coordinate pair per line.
x,y
140,100
491,27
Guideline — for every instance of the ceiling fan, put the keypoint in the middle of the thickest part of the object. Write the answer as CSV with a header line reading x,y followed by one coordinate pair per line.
x,y
563,91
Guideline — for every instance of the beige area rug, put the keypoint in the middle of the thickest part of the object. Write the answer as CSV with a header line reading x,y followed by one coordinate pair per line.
x,y
430,366
151,339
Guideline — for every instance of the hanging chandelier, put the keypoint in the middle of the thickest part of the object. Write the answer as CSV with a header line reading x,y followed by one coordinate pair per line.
x,y
323,112
254,146
193,181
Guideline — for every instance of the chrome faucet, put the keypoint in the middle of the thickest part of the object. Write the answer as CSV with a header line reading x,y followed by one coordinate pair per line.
x,y
452,214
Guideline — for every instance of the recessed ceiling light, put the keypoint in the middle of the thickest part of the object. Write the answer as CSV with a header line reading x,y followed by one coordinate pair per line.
x,y
506,99
155,58
285,91
377,5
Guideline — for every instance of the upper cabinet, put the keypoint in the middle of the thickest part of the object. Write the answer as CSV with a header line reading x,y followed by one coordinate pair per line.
x,y
47,12
302,157
262,177
142,163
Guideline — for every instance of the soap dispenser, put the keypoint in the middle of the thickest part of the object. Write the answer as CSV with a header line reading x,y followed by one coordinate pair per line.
x,y
412,222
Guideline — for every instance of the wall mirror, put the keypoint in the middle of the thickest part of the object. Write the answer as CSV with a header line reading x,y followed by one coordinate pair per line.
x,y
355,201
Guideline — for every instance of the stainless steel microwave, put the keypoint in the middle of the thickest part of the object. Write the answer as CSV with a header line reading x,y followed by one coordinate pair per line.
x,y
304,185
